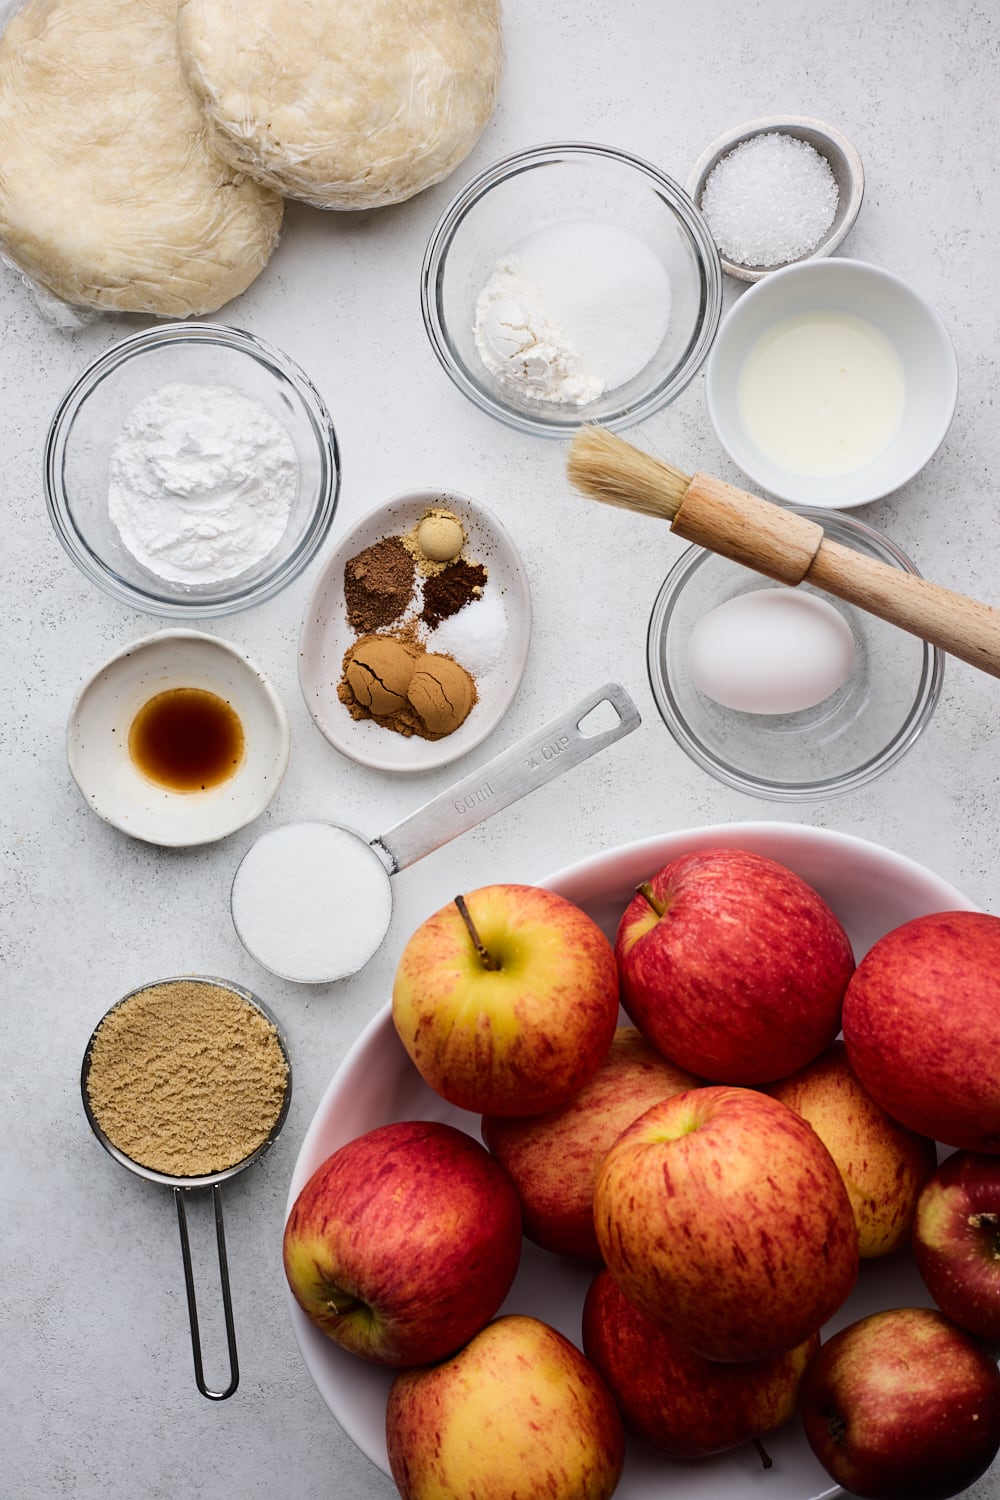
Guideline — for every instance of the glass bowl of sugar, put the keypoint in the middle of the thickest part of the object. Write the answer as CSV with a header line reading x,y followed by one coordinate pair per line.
x,y
571,283
191,471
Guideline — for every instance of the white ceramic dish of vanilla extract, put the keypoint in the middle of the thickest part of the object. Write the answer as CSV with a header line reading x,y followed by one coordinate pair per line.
x,y
180,739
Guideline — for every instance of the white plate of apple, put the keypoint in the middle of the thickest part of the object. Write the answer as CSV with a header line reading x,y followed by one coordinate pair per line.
x,y
871,891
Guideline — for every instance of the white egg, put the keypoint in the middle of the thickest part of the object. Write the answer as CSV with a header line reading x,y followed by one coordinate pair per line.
x,y
772,651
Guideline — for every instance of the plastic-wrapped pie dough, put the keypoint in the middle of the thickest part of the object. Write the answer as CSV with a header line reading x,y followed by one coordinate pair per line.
x,y
344,103
111,192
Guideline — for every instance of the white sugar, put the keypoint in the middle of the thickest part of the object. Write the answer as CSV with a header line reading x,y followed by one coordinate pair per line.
x,y
770,200
476,636
311,902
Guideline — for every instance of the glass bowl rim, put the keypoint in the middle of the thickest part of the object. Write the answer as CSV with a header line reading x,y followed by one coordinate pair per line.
x,y
224,602
502,170
917,718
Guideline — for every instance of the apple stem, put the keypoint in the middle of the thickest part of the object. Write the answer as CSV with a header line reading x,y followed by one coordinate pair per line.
x,y
340,1307
989,1224
766,1460
485,956
646,891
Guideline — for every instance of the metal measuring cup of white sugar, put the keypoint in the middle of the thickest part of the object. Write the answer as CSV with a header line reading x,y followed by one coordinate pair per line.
x,y
312,901
278,1064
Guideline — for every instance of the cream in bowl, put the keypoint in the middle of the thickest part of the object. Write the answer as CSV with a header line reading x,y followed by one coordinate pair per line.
x,y
831,383
179,739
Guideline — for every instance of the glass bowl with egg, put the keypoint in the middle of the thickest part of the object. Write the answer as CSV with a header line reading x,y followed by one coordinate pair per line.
x,y
192,470
784,693
571,283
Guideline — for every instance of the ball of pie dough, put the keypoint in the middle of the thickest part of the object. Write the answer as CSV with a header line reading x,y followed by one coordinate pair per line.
x,y
343,103
112,194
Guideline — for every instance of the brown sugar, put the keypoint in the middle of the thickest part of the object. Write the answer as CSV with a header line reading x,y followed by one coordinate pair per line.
x,y
378,585
186,1077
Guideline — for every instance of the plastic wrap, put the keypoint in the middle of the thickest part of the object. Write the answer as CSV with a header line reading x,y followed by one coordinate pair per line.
x,y
112,195
344,103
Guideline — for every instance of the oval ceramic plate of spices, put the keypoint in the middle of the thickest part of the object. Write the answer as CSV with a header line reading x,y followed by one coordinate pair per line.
x,y
179,739
416,636
872,890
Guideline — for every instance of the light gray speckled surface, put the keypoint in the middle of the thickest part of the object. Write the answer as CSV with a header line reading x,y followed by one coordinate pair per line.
x,y
96,1379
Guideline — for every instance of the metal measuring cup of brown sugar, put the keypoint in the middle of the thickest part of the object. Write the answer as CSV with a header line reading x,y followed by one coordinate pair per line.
x,y
183,1182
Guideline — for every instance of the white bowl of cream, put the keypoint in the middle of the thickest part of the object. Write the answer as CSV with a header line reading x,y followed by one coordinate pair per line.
x,y
831,383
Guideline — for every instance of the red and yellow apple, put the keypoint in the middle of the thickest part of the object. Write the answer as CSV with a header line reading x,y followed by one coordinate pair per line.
x,y
922,1027
883,1164
732,966
678,1402
404,1242
518,1414
507,1000
956,1241
903,1405
553,1159
723,1217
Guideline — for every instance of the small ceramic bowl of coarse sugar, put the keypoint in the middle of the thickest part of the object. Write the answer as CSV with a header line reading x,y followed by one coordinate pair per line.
x,y
571,283
191,471
777,190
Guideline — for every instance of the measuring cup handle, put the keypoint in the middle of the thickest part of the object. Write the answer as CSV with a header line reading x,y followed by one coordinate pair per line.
x,y
530,763
227,1303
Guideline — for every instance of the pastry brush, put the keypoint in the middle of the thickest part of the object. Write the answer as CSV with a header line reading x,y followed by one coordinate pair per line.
x,y
781,544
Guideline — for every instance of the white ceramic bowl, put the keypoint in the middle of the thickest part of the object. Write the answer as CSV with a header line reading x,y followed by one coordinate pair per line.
x,y
98,731
872,890
326,635
897,311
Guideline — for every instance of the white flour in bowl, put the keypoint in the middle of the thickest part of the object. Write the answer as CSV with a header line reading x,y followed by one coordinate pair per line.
x,y
201,482
572,311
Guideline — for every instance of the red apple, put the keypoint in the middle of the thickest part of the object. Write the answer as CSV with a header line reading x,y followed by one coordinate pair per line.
x,y
403,1243
508,1006
956,1241
553,1158
883,1164
672,1398
903,1405
922,1027
722,1216
518,1414
732,966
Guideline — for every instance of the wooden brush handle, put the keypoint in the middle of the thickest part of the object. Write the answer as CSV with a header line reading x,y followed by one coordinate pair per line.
x,y
792,549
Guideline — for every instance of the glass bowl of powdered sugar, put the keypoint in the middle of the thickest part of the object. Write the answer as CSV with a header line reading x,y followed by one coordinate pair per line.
x,y
192,470
568,284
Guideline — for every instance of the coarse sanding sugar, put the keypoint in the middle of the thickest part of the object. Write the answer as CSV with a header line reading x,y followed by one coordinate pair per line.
x,y
770,200
311,902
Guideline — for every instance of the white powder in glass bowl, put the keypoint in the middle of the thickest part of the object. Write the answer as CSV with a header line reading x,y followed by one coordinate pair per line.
x,y
571,311
201,482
